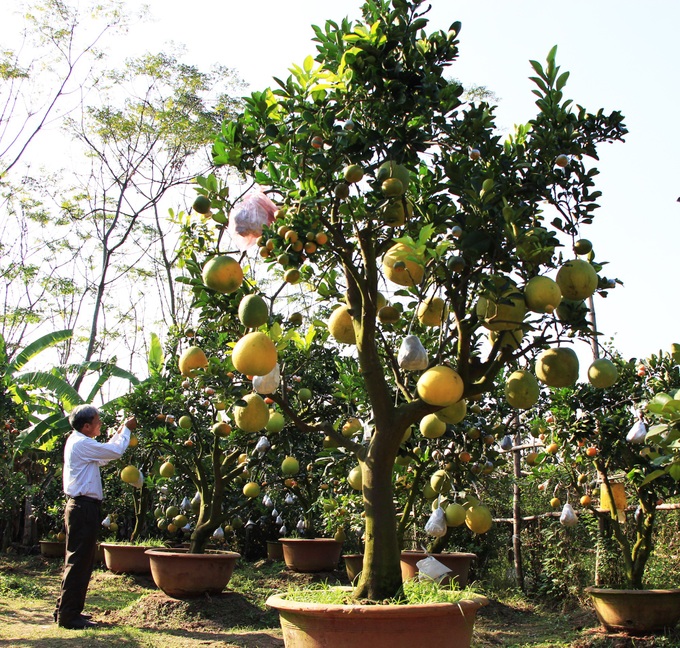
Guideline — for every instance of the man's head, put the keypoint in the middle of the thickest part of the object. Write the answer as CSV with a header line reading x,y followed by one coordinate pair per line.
x,y
85,419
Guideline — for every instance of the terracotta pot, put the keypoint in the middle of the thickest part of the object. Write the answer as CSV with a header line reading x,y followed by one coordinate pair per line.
x,y
183,575
354,563
317,625
99,555
311,555
126,559
636,611
52,548
457,562
274,550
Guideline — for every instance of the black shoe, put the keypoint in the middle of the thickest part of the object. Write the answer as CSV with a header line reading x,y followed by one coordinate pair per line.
x,y
82,615
78,624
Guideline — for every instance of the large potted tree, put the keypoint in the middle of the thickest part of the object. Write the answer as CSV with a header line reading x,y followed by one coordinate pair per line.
x,y
388,179
621,443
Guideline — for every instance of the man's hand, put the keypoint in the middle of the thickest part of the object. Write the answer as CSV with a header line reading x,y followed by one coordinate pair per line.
x,y
131,424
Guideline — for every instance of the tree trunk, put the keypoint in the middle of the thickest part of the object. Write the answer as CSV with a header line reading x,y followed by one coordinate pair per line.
x,y
381,576
517,513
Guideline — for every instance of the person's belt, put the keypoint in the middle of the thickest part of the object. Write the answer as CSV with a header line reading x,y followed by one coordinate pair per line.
x,y
86,498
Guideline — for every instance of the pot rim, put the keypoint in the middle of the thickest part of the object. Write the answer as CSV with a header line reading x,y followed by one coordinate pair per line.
x,y
461,554
123,545
295,540
159,551
623,592
281,603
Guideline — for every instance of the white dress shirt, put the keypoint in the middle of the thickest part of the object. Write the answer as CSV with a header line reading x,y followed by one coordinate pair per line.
x,y
82,458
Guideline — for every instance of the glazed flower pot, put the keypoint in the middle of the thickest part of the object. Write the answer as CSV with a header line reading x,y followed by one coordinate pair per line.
x,y
458,562
311,555
184,575
636,611
354,563
274,550
317,625
126,559
52,548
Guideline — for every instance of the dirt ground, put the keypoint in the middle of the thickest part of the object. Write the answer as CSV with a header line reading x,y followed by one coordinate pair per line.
x,y
131,612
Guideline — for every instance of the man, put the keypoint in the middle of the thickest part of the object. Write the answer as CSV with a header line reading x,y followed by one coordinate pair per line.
x,y
83,485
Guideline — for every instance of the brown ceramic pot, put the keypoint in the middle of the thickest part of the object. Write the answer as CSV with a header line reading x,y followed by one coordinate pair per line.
x,y
458,562
311,555
636,611
274,550
126,559
184,575
354,563
52,548
319,625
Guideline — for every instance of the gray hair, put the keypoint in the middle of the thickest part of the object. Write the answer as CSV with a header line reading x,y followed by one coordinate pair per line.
x,y
81,415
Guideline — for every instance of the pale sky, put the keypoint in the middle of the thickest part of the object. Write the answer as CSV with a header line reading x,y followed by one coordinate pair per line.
x,y
622,55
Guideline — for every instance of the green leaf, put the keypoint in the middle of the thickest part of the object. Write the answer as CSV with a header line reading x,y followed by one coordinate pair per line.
x,y
652,476
674,471
33,349
53,383
308,63
562,80
156,358
656,430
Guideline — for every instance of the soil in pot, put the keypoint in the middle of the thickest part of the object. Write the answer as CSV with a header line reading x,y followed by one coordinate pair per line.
x,y
636,611
311,555
184,575
458,562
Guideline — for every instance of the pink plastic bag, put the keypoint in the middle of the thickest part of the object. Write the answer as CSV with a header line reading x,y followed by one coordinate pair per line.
x,y
249,216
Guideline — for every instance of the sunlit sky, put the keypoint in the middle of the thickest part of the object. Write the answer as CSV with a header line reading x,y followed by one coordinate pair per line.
x,y
622,55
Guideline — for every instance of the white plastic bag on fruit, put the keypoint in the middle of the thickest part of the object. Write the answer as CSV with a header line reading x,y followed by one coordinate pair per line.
x,y
140,482
412,355
638,433
218,533
269,383
248,216
431,569
262,445
568,518
436,525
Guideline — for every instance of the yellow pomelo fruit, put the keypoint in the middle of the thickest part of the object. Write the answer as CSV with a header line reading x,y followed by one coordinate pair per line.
x,y
184,422
431,311
290,466
351,427
130,474
221,429
180,520
521,389
602,373
253,311
389,315
478,519
503,312
455,514
409,270
134,441
276,422
453,413
441,386
254,415
391,169
340,325
432,427
440,481
675,352
193,358
509,339
251,489
354,479
222,274
254,354
166,470
201,204
542,295
577,279
557,367
429,492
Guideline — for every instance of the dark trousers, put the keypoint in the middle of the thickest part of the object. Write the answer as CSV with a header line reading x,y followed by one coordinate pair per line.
x,y
82,524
